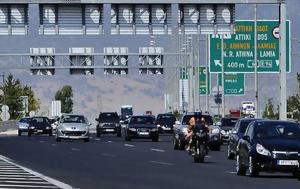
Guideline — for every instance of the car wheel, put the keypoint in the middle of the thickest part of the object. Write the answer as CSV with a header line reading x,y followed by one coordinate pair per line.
x,y
58,139
253,169
230,155
196,159
119,134
175,144
296,175
98,134
29,134
127,138
180,144
50,134
86,140
240,169
19,133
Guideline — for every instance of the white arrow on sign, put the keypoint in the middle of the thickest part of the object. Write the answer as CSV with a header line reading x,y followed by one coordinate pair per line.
x,y
241,90
218,63
277,62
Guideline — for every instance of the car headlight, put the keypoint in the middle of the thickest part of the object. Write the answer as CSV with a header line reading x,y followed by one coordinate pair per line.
x,y
262,150
215,131
47,128
223,132
32,127
154,129
158,125
132,129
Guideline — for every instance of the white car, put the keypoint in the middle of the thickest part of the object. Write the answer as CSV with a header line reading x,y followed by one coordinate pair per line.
x,y
72,126
23,125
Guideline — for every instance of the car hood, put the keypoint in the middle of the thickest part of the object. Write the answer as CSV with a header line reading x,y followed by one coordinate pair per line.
x,y
137,126
73,126
281,144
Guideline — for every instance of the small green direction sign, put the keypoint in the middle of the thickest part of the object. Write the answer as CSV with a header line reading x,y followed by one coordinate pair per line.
x,y
239,48
202,78
234,83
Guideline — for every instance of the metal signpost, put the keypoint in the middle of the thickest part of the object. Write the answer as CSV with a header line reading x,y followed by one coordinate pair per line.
x,y
239,49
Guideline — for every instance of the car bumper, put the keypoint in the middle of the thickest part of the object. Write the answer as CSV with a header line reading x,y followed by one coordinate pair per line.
x,y
270,164
72,134
165,130
107,130
40,131
134,134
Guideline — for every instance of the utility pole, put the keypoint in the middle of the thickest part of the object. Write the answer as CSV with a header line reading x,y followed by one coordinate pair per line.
x,y
223,76
255,61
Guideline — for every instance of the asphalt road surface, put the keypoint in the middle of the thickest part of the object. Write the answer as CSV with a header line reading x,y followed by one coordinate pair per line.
x,y
112,163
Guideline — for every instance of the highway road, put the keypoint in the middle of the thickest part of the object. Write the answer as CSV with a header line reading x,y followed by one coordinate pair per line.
x,y
112,163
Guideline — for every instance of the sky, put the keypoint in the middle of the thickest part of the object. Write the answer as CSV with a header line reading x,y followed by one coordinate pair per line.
x,y
99,92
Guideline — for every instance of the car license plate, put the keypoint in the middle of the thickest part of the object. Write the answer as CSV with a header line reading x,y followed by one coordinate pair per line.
x,y
39,131
288,162
109,130
144,133
73,137
167,128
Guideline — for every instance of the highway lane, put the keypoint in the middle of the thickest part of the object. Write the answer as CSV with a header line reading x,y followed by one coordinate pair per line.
x,y
110,162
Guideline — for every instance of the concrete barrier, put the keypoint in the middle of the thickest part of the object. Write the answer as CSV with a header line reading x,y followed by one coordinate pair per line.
x,y
8,125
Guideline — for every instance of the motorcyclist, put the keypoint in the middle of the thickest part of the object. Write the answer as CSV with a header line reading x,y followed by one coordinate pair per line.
x,y
190,129
200,125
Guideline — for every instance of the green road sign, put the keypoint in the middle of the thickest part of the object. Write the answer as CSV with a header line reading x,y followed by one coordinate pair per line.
x,y
202,81
239,48
234,83
202,78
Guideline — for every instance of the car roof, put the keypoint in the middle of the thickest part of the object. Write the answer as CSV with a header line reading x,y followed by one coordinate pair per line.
x,y
72,115
275,121
251,119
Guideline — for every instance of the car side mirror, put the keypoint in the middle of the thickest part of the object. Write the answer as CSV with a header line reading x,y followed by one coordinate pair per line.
x,y
177,122
246,138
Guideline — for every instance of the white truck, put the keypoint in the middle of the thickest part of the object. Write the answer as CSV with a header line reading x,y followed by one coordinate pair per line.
x,y
248,108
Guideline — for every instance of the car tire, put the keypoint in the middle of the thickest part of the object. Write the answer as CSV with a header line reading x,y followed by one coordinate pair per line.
x,y
230,155
240,169
98,134
175,144
181,144
127,138
196,159
50,134
253,168
19,133
58,140
86,140
296,175
119,134
29,134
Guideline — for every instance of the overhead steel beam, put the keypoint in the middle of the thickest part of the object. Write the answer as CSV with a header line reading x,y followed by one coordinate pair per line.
x,y
145,1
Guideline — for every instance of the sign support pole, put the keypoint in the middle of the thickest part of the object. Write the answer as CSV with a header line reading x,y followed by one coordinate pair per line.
x,y
223,75
206,68
255,62
282,59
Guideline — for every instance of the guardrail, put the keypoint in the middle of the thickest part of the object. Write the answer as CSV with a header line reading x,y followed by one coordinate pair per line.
x,y
7,125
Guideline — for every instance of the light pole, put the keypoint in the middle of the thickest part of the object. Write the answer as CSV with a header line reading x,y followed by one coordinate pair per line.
x,y
3,85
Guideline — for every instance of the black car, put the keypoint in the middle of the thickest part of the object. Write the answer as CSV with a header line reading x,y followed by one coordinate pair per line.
x,y
236,134
141,127
165,123
108,123
39,125
269,145
226,125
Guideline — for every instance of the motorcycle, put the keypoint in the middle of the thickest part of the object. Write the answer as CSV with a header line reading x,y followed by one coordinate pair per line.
x,y
200,139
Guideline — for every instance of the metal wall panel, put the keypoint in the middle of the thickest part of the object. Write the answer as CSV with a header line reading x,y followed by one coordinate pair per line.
x,y
116,60
17,24
3,20
40,61
151,60
70,20
93,14
81,58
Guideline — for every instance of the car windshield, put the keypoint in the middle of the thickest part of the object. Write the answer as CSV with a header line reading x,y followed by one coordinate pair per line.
x,y
228,122
126,111
24,120
108,117
243,125
39,120
271,130
73,119
198,117
142,120
166,119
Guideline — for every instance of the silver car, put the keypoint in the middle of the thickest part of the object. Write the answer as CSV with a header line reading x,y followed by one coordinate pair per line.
x,y
70,126
23,125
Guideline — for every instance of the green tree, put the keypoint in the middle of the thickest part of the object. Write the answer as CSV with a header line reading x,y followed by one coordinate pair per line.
x,y
65,95
293,102
270,111
12,90
33,102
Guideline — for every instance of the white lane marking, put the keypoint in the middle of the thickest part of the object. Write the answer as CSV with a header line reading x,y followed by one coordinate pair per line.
x,y
231,172
161,163
110,141
129,145
25,182
157,150
208,156
53,144
20,178
13,173
75,149
26,186
108,155
36,174
97,139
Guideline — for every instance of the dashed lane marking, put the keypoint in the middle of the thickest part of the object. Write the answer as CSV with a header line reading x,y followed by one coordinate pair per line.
x,y
13,175
75,149
157,150
161,163
129,145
